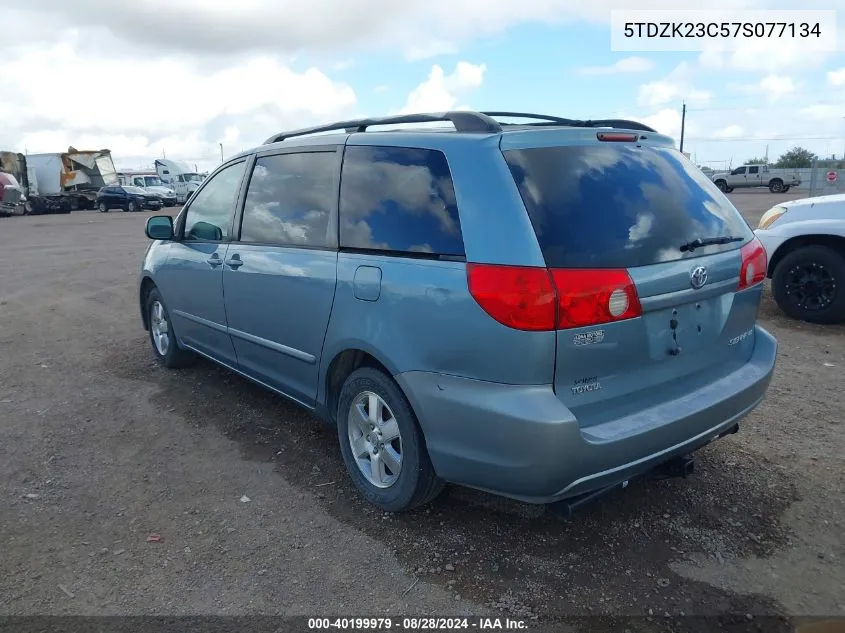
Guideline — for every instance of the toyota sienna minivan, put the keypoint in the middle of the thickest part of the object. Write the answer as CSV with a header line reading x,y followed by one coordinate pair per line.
x,y
524,304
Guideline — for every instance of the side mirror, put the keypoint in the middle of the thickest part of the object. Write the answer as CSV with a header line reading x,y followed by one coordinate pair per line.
x,y
159,227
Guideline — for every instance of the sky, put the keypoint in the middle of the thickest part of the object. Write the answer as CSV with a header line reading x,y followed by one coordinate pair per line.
x,y
181,77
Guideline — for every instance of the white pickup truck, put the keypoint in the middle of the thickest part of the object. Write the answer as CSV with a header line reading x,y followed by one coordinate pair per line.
x,y
777,180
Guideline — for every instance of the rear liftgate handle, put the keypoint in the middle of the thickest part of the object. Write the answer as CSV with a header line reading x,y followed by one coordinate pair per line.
x,y
676,350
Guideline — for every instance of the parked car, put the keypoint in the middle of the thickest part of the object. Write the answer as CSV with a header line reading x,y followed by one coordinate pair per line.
x,y
805,242
12,198
777,180
150,182
127,198
544,310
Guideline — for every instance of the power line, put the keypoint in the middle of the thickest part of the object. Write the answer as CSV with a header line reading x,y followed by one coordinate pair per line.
x,y
745,139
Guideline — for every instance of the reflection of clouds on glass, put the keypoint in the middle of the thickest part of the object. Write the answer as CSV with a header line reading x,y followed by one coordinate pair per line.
x,y
617,205
411,187
289,198
641,229
360,235
393,198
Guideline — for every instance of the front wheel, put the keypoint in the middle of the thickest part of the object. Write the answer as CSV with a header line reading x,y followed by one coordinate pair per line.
x,y
382,445
722,185
809,284
729,189
102,207
162,336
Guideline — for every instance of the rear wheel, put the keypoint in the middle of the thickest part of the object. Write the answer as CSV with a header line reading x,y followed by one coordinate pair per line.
x,y
131,207
809,284
776,186
162,335
382,445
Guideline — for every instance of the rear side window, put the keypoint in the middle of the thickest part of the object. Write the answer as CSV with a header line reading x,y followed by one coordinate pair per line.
x,y
398,199
614,206
289,200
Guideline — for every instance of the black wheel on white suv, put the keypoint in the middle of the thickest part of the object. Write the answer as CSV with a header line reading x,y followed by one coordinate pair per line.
x,y
722,185
382,444
809,284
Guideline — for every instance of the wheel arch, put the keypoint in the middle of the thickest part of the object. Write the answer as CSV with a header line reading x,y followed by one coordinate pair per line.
x,y
345,360
835,242
145,287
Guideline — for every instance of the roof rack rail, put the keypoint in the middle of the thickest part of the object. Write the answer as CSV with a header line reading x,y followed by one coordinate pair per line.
x,y
464,121
546,119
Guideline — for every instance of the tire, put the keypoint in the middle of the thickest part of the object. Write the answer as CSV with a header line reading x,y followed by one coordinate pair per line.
x,y
416,483
102,208
821,265
776,186
729,190
170,355
131,207
722,185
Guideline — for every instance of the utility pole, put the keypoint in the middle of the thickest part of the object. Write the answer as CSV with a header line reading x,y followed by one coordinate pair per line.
x,y
221,152
163,154
683,123
767,153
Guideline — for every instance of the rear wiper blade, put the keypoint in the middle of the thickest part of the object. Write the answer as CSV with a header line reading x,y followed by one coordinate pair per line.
x,y
708,241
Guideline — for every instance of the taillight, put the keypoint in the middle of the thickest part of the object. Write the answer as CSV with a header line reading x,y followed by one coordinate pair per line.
x,y
754,262
593,296
520,297
539,299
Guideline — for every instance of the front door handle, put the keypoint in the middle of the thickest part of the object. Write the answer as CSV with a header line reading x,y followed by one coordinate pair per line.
x,y
214,260
234,261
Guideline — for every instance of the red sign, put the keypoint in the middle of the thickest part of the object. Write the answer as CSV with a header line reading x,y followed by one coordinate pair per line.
x,y
831,176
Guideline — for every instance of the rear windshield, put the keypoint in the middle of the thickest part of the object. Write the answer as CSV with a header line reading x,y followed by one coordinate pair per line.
x,y
620,206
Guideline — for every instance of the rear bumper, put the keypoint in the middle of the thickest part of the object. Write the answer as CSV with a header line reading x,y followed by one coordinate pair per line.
x,y
520,441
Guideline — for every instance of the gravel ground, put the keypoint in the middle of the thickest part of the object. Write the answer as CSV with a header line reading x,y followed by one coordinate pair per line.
x,y
100,449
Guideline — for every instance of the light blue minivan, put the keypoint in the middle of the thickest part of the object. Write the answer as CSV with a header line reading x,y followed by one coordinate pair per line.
x,y
529,305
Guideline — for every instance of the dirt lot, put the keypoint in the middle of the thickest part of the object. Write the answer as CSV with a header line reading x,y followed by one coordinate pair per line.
x,y
100,448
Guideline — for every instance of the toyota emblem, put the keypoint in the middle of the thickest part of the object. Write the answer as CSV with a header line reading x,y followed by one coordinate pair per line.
x,y
698,277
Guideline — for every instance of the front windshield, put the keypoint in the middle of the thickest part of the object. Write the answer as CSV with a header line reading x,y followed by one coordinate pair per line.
x,y
153,181
193,178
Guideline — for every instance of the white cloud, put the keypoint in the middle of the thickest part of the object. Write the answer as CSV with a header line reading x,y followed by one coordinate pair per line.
x,y
774,87
431,48
169,103
823,112
676,86
666,121
442,92
836,77
625,65
731,131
